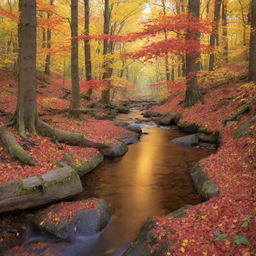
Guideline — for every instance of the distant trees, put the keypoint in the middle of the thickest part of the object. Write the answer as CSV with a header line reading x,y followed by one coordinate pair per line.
x,y
214,37
252,49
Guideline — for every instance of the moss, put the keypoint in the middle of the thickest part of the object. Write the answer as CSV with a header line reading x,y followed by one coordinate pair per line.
x,y
85,167
237,116
64,180
244,130
188,127
205,186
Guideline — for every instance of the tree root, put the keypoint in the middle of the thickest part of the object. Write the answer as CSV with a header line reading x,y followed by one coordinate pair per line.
x,y
14,148
71,138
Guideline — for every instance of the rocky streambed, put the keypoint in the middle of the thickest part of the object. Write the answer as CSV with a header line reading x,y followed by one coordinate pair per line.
x,y
151,179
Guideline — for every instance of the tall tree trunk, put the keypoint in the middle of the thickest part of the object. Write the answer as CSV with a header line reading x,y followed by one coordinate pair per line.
x,y
252,50
26,112
167,69
225,30
87,46
47,69
105,96
193,93
215,32
180,8
75,94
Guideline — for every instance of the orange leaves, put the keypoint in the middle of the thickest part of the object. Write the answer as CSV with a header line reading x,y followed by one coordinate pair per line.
x,y
13,15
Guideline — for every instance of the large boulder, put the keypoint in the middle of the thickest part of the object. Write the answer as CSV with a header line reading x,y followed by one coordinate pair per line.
x,y
67,220
190,140
204,185
209,138
130,138
38,190
165,119
128,126
150,114
115,150
188,127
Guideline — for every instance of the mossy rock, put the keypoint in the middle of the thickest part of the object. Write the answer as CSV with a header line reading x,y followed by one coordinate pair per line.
x,y
68,220
187,141
188,127
147,238
38,190
205,186
141,246
151,114
166,119
87,166
114,150
237,116
244,130
209,138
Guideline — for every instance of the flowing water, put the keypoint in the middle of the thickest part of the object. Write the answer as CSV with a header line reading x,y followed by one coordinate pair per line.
x,y
151,179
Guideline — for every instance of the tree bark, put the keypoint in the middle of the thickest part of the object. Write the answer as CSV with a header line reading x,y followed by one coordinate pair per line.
x,y
225,30
105,96
252,49
87,46
75,94
193,93
26,112
215,32
15,149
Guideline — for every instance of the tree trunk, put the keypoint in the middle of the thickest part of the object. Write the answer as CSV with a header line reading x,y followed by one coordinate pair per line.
x,y
252,50
87,46
105,96
167,70
26,112
225,30
215,31
47,69
193,93
75,94
26,117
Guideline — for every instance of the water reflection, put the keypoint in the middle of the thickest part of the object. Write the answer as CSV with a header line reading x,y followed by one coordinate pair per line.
x,y
151,179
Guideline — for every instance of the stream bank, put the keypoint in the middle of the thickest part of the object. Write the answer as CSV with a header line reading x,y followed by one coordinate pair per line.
x,y
151,179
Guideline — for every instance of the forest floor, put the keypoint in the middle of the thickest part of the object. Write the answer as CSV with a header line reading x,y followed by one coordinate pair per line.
x,y
224,225
52,98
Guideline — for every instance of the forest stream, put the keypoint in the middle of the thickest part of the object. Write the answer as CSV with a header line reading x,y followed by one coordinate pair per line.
x,y
152,179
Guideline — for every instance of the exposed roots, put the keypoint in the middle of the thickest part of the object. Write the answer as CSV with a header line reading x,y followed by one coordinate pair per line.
x,y
71,138
14,148
18,152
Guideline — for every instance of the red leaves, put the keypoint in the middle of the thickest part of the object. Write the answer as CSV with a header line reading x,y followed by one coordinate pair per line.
x,y
68,209
233,168
162,24
162,48
98,84
13,15
174,85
